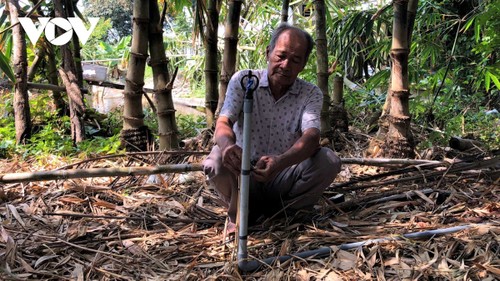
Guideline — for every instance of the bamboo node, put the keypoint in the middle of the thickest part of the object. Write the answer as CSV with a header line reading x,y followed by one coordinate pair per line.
x,y
132,94
139,55
138,118
398,119
163,61
400,94
401,53
231,38
134,84
162,91
166,112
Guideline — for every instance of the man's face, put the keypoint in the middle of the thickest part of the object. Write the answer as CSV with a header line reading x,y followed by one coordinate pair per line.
x,y
287,59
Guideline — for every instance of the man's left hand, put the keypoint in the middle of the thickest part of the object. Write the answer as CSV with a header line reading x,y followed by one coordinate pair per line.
x,y
266,168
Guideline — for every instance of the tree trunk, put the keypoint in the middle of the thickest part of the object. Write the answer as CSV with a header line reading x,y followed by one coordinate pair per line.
x,y
211,90
135,135
167,128
339,119
398,141
230,49
75,97
376,145
338,90
77,57
22,115
61,106
412,14
284,10
322,64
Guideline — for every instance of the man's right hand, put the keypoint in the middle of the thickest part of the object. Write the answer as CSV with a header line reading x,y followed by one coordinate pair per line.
x,y
231,158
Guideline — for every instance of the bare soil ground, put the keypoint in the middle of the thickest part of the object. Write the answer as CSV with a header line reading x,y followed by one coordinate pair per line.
x,y
171,227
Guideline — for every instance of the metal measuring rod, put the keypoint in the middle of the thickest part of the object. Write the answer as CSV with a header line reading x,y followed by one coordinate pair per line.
x,y
249,83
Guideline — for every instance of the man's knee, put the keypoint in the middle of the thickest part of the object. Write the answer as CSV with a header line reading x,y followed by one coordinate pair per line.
x,y
221,179
212,163
327,163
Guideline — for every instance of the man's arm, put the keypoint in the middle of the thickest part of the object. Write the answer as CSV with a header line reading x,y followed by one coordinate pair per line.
x,y
226,140
269,166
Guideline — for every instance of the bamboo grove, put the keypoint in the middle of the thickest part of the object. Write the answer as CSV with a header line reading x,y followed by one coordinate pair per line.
x,y
378,50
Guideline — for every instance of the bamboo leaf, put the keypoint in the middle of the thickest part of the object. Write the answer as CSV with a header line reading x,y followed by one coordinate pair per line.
x,y
477,32
16,215
42,259
469,23
6,68
487,80
3,18
495,80
8,46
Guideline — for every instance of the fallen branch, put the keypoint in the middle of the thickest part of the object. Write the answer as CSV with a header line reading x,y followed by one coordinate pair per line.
x,y
162,219
176,168
459,167
51,87
388,161
133,154
385,174
97,172
405,195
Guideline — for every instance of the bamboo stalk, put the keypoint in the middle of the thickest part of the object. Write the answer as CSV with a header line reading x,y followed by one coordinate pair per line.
x,y
97,172
389,161
174,168
230,50
162,219
162,80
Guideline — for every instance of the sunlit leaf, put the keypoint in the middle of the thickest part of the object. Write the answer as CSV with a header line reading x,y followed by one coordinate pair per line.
x,y
495,80
468,24
477,32
487,80
6,68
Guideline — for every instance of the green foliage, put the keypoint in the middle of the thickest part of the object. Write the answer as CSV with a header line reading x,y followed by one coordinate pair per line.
x,y
453,67
118,12
357,39
51,133
113,54
6,48
7,136
100,145
92,49
52,138
190,125
485,127
6,68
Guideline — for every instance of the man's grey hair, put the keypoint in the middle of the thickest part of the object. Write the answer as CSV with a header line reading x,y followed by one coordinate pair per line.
x,y
284,27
